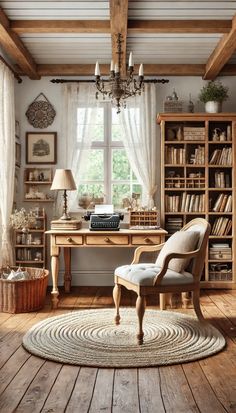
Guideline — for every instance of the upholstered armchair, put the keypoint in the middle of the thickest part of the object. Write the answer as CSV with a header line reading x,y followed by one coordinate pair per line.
x,y
178,269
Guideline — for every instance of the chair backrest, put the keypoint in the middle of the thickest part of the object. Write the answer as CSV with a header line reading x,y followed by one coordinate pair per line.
x,y
201,226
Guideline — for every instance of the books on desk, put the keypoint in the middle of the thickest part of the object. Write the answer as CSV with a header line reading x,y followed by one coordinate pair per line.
x,y
71,224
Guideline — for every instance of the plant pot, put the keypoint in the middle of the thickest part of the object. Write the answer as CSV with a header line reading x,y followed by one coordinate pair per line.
x,y
213,107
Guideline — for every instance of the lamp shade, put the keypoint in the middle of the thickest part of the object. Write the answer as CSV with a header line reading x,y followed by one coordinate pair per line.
x,y
63,179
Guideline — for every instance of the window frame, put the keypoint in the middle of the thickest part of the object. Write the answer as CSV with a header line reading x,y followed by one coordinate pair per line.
x,y
107,145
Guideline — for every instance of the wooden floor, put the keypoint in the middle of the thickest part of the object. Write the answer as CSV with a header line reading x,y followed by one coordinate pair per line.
x,y
29,384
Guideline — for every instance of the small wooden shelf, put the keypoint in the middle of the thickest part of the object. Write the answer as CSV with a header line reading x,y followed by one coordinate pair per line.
x,y
26,250
37,182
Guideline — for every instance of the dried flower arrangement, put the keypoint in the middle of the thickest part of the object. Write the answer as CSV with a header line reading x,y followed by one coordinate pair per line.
x,y
22,219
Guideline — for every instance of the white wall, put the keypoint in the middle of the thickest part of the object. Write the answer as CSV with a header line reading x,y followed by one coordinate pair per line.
x,y
95,266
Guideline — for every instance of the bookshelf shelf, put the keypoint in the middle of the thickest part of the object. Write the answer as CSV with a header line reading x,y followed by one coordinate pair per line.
x,y
199,180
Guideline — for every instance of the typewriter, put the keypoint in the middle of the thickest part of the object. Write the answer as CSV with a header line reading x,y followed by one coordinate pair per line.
x,y
104,222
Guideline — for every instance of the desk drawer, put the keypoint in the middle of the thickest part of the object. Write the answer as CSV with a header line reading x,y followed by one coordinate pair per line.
x,y
107,240
69,239
146,239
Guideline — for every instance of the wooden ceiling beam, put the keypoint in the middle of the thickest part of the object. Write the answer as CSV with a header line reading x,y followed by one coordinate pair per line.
x,y
179,26
134,26
150,69
119,23
14,47
222,53
60,26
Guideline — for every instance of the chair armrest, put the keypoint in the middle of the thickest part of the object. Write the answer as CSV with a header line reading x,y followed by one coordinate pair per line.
x,y
145,248
168,258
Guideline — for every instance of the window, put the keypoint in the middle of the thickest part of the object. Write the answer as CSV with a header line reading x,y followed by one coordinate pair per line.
x,y
106,173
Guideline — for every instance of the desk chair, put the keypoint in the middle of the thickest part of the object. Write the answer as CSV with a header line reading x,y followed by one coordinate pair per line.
x,y
178,269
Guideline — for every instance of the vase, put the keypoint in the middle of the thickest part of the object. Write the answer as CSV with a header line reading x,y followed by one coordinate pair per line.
x,y
213,107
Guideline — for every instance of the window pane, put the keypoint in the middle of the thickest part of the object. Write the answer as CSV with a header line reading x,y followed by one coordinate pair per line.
x,y
136,189
96,125
119,192
90,193
116,130
94,167
120,165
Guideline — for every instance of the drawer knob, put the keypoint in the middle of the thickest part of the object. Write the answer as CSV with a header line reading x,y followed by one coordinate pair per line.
x,y
69,239
148,240
107,240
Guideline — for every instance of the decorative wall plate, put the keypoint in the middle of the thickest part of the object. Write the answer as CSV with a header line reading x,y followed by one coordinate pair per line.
x,y
40,113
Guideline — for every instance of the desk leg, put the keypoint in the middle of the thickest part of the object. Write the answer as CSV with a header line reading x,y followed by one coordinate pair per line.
x,y
67,275
55,292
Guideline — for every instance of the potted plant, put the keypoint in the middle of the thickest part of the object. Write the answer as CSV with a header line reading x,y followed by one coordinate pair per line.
x,y
213,94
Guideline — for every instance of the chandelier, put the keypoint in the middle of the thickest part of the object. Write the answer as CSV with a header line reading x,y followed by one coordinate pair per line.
x,y
116,88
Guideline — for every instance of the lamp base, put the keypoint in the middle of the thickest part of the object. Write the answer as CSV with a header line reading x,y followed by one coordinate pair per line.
x,y
65,217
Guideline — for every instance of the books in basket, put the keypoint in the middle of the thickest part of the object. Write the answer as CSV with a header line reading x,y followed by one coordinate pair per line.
x,y
71,224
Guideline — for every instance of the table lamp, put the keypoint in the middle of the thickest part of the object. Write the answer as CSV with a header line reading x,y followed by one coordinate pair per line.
x,y
63,180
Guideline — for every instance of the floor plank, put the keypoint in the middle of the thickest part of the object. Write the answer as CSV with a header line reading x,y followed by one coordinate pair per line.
x,y
13,394
150,397
176,393
37,392
203,393
102,395
125,395
83,391
61,390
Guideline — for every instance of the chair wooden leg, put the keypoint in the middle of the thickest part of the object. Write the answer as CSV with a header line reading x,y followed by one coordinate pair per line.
x,y
196,305
116,298
140,308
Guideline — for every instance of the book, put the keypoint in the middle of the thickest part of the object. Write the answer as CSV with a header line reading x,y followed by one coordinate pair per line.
x,y
72,224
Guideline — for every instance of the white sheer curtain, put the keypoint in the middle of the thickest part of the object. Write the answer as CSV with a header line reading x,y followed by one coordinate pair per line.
x,y
78,95
140,139
7,160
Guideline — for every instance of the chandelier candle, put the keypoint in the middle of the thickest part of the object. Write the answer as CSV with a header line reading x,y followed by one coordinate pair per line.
x,y
116,88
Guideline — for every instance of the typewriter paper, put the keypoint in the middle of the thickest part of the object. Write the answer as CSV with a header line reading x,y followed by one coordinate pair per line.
x,y
104,209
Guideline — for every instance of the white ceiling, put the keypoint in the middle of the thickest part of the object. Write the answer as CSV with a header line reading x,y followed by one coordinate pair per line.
x,y
87,48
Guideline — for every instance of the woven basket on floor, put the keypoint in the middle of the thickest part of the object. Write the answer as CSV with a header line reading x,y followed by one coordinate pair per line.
x,y
22,296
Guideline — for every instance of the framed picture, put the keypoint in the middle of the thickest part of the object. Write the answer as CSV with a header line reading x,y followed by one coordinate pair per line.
x,y
41,147
17,152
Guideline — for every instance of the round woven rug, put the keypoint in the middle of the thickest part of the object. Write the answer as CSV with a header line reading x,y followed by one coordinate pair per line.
x,y
90,338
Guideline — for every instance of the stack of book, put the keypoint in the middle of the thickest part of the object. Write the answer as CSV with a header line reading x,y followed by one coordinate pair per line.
x,y
194,133
221,226
185,203
175,155
71,224
198,157
221,251
174,224
221,157
222,180
223,203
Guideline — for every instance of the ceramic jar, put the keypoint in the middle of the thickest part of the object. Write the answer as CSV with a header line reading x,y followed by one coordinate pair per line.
x,y
213,107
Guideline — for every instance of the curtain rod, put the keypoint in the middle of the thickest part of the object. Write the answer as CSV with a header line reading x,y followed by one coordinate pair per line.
x,y
93,81
11,69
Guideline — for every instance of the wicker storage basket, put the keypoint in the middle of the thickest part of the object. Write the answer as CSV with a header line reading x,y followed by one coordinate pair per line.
x,y
22,296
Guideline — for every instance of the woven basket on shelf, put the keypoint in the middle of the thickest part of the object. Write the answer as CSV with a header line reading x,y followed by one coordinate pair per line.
x,y
22,296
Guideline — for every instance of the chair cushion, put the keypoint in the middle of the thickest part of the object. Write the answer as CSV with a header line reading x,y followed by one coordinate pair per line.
x,y
144,274
179,242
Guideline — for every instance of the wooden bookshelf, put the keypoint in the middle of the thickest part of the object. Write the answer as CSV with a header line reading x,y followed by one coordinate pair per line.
x,y
198,157
30,246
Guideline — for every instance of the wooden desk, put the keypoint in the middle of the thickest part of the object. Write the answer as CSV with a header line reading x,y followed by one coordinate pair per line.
x,y
84,238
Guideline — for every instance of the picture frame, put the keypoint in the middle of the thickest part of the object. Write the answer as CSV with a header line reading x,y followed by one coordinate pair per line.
x,y
41,147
